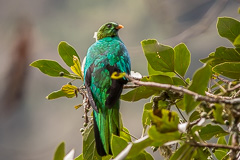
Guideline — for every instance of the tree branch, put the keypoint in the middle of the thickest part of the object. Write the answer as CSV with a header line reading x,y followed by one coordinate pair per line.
x,y
197,96
213,145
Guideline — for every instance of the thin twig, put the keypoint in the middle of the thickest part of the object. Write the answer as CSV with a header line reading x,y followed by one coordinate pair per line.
x,y
213,145
222,79
181,78
130,135
216,96
130,86
181,113
234,88
197,96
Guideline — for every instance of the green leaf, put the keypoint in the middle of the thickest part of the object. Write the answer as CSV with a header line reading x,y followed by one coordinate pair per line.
x,y
228,69
117,145
202,153
220,153
208,131
139,145
69,89
67,52
194,116
237,41
223,54
210,57
165,120
228,28
60,152
58,94
143,92
148,156
217,113
51,68
181,59
178,82
151,72
199,85
76,68
80,157
160,57
146,114
138,93
160,138
185,152
89,147
124,133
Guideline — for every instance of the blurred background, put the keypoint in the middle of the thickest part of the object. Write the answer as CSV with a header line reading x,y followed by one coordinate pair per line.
x,y
31,127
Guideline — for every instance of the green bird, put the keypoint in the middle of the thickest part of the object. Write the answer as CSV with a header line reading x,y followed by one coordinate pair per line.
x,y
107,55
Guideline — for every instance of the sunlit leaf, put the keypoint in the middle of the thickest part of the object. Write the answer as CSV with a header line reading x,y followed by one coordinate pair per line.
x,y
69,89
67,52
76,68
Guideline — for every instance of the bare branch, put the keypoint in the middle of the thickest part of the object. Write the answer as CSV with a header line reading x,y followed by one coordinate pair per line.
x,y
197,96
213,145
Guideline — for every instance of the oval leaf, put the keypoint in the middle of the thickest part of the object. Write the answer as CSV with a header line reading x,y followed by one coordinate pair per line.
x,y
237,41
160,57
60,152
228,28
67,52
182,58
199,84
76,68
51,68
207,132
58,94
117,145
228,69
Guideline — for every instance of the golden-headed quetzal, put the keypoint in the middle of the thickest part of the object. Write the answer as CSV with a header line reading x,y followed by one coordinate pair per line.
x,y
107,55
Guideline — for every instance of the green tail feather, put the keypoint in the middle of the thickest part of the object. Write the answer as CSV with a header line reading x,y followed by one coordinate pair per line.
x,y
107,123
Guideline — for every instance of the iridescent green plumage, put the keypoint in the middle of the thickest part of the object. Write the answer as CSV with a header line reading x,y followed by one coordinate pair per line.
x,y
104,57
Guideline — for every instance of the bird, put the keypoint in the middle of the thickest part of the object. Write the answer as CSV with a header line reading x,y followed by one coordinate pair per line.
x,y
104,57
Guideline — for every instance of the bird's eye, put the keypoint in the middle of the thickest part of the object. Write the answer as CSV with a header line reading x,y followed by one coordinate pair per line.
x,y
109,25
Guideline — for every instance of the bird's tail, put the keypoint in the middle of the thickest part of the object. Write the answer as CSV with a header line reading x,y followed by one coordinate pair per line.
x,y
106,124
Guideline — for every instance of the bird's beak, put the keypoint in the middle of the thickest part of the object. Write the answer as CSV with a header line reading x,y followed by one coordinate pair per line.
x,y
119,26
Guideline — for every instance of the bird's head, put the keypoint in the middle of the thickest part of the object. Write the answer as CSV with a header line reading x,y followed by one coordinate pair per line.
x,y
108,30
